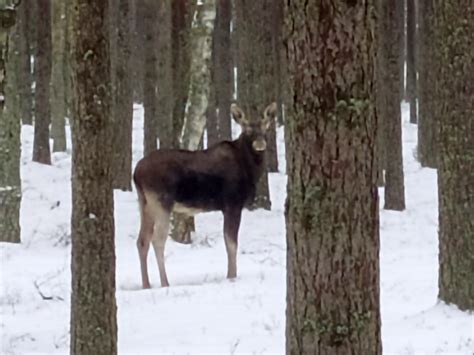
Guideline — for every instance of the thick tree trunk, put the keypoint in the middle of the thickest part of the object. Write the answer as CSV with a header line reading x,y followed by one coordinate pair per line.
x,y
93,305
391,18
124,99
182,15
149,15
25,78
411,58
198,96
255,76
223,69
58,83
137,52
280,61
164,110
454,29
212,128
427,81
10,183
332,219
41,150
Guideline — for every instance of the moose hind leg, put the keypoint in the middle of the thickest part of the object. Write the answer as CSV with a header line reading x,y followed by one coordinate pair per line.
x,y
231,231
162,223
143,245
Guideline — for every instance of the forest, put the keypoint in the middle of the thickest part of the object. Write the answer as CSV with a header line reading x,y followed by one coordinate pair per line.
x,y
237,177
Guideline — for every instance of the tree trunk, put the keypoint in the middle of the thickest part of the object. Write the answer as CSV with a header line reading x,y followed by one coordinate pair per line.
x,y
255,76
149,15
380,95
454,28
333,304
411,58
25,80
137,52
10,183
280,60
182,15
391,18
198,96
223,69
93,305
427,81
124,99
212,128
58,83
41,150
164,110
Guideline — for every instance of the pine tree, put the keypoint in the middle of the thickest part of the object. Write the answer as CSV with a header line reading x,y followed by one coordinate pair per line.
x,y
332,219
93,305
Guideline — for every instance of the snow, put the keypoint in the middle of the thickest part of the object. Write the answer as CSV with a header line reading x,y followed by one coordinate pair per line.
x,y
202,312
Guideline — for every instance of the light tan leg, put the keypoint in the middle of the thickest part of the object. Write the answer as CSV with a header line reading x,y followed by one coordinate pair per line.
x,y
231,231
143,244
162,223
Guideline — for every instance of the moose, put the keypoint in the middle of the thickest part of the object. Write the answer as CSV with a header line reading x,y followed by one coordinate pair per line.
x,y
220,178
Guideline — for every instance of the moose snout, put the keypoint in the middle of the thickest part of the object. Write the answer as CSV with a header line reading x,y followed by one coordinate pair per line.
x,y
259,145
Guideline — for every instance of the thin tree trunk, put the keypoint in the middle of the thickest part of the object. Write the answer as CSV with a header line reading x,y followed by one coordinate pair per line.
x,y
164,111
93,304
427,81
380,95
124,102
212,128
10,183
198,96
149,15
41,149
411,58
392,29
333,301
138,51
255,76
223,68
58,83
25,79
454,30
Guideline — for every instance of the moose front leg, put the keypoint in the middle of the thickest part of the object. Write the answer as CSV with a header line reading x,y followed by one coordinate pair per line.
x,y
231,230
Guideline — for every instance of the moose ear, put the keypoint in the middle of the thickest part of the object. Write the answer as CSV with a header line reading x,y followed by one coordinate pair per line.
x,y
238,115
269,115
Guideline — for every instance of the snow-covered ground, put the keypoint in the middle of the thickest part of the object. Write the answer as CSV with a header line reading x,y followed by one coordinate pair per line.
x,y
202,312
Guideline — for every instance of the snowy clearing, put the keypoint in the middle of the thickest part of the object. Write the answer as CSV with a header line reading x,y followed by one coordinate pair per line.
x,y
203,312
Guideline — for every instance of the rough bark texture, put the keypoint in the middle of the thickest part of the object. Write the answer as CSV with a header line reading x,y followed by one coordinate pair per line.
x,y
138,52
41,150
198,96
391,30
124,99
182,15
93,305
427,81
332,204
255,75
411,58
380,97
149,15
10,184
25,79
454,28
222,71
164,110
58,83
281,84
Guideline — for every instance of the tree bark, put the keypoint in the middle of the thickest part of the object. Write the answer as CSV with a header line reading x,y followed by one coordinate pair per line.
x,y
391,18
138,51
58,81
198,96
93,305
10,183
455,57
149,15
124,103
255,75
41,149
427,81
222,71
25,79
411,58
332,219
164,111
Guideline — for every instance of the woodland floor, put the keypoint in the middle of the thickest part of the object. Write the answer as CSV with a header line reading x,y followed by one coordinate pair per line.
x,y
202,312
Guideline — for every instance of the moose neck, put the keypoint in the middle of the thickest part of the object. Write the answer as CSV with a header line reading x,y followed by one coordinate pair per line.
x,y
252,159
